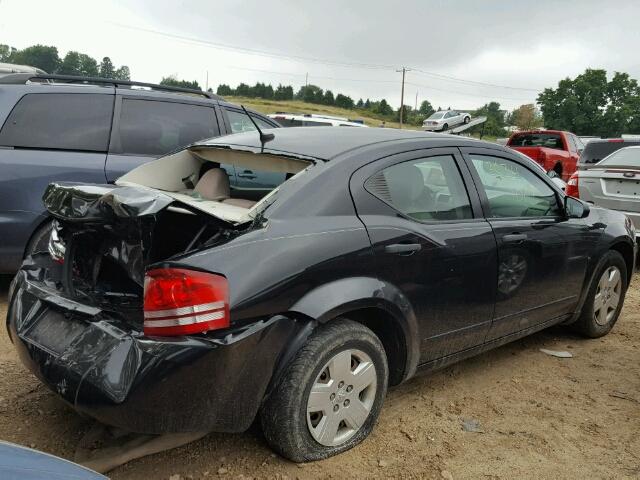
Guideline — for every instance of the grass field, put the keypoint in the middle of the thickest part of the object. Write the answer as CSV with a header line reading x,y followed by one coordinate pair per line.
x,y
295,106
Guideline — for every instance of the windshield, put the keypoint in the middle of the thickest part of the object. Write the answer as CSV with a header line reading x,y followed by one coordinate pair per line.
x,y
548,140
625,157
436,116
596,151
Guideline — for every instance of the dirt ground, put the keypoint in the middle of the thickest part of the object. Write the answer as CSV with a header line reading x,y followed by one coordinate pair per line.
x,y
540,417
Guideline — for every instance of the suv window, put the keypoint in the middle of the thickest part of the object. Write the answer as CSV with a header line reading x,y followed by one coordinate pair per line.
x,y
425,189
60,121
240,122
152,127
513,190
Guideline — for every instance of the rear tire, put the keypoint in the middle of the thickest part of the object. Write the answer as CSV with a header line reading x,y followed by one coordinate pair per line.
x,y
297,422
605,298
445,127
39,241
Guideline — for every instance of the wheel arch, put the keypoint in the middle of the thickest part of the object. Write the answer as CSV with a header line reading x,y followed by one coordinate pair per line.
x,y
626,250
379,306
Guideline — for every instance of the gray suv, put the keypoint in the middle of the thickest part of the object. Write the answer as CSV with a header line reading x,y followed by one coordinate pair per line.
x,y
61,128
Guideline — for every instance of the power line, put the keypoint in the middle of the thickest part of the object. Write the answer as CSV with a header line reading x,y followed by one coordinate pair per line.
x,y
301,58
495,97
473,82
254,51
364,80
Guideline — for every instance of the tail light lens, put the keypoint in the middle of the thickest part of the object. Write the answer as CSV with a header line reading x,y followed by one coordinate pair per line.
x,y
183,302
572,186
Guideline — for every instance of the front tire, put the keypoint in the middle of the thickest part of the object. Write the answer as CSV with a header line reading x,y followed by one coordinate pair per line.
x,y
605,298
329,398
467,120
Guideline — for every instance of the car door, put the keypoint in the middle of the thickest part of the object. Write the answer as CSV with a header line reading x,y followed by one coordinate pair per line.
x,y
145,128
542,255
251,183
456,119
431,242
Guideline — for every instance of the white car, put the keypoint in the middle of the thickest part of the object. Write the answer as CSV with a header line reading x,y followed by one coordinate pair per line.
x,y
445,119
311,120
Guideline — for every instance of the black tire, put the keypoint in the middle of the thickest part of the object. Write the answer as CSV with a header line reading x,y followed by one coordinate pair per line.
x,y
445,127
467,120
586,324
284,413
39,241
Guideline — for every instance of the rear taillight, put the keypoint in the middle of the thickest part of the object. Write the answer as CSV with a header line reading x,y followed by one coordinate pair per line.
x,y
182,302
572,186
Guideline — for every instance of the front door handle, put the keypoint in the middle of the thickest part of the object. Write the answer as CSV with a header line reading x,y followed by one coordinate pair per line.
x,y
247,174
403,248
514,238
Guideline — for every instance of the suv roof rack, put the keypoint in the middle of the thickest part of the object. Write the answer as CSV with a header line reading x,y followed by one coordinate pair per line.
x,y
20,78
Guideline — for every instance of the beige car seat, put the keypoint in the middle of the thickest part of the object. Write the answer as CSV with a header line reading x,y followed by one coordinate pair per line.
x,y
214,185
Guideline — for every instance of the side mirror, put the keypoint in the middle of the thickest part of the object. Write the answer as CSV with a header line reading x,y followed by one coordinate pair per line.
x,y
552,174
575,208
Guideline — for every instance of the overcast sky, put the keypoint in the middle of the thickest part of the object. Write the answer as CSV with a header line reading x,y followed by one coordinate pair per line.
x,y
350,47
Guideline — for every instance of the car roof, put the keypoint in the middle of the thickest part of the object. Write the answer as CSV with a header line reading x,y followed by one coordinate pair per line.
x,y
320,143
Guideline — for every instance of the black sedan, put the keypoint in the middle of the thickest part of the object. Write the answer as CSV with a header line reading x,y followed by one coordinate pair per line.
x,y
164,304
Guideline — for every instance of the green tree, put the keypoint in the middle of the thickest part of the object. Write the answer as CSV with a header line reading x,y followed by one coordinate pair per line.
x,y
172,81
106,68
360,104
39,56
344,101
591,105
495,123
283,93
328,98
383,108
122,73
426,109
224,89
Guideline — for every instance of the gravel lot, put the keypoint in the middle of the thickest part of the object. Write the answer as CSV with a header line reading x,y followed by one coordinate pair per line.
x,y
539,417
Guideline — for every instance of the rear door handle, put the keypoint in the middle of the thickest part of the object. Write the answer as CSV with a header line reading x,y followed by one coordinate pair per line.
x,y
514,238
247,174
403,248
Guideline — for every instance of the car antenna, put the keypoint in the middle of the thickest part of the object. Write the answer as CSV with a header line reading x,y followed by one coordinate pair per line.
x,y
264,137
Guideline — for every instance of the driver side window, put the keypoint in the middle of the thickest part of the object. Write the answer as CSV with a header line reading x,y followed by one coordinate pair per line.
x,y
514,191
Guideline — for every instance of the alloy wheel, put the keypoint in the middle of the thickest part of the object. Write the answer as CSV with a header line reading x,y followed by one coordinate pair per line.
x,y
341,397
607,297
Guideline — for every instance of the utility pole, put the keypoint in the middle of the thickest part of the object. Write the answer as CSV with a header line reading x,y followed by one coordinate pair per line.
x,y
404,71
415,107
306,80
207,87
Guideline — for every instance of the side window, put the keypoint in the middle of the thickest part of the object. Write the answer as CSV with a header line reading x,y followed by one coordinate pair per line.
x,y
61,121
513,190
425,189
572,144
152,127
240,122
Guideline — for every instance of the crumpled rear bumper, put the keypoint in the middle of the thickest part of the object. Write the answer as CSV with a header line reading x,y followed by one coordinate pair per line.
x,y
142,384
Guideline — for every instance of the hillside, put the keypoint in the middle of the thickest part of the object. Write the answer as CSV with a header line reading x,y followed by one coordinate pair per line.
x,y
294,106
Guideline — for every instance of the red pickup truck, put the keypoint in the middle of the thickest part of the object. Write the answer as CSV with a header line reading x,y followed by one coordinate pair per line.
x,y
553,149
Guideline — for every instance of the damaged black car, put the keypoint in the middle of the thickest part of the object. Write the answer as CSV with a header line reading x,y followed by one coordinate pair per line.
x,y
165,304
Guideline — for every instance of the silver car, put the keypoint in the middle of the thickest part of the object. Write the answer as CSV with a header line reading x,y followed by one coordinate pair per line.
x,y
445,119
613,182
